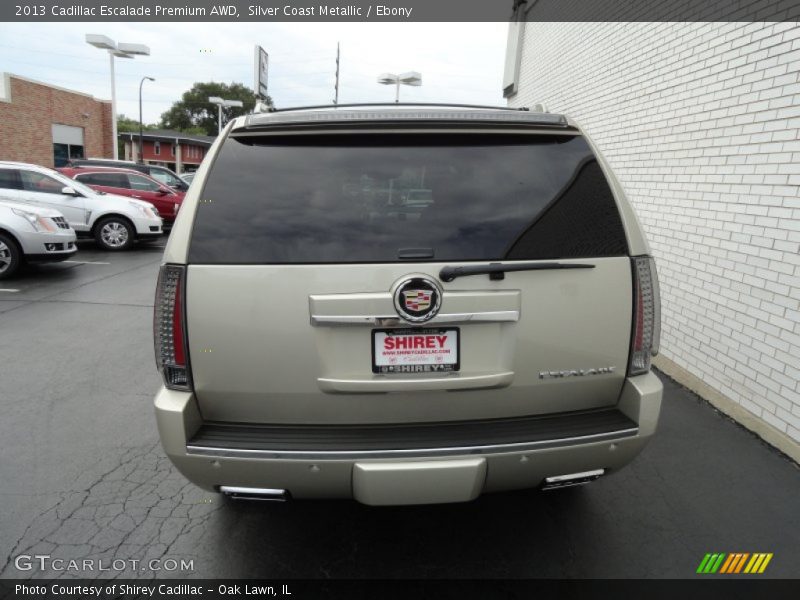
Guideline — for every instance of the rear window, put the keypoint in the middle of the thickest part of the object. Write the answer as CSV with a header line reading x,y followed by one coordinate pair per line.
x,y
164,177
118,180
389,198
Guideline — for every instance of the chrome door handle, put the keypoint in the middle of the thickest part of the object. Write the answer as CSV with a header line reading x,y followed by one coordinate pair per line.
x,y
495,316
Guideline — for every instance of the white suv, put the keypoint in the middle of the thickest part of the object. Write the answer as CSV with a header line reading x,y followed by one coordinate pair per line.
x,y
113,221
32,234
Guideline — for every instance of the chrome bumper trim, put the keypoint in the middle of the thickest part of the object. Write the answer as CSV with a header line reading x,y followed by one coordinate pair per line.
x,y
248,493
415,452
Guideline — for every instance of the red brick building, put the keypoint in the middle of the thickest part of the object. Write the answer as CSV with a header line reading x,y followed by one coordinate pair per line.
x,y
181,152
46,125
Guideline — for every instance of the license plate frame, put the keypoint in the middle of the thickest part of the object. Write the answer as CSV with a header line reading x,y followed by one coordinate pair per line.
x,y
405,364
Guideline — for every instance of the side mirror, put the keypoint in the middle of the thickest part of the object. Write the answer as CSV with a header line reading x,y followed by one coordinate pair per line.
x,y
68,191
163,192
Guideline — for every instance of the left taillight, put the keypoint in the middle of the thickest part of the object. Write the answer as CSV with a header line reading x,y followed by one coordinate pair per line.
x,y
169,328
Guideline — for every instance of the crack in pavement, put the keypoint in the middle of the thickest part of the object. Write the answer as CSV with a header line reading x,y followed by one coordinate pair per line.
x,y
139,509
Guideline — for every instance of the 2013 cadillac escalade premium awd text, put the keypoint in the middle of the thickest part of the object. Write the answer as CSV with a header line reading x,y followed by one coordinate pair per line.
x,y
403,305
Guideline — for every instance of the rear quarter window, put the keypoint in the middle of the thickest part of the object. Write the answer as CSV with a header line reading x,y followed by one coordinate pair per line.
x,y
378,198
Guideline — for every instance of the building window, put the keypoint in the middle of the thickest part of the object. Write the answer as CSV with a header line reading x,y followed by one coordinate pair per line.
x,y
67,143
157,148
62,153
172,149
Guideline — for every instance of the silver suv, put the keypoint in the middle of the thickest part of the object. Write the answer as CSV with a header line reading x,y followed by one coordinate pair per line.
x,y
320,336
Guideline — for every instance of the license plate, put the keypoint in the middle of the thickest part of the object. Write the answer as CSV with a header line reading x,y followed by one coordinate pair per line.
x,y
415,350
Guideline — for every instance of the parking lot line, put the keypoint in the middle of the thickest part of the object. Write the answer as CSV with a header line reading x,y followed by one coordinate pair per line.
x,y
8,290
85,262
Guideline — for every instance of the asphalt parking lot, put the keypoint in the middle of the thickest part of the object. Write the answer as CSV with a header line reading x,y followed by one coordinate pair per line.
x,y
83,476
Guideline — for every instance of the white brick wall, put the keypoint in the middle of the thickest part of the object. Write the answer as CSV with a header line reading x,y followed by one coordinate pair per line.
x,y
700,122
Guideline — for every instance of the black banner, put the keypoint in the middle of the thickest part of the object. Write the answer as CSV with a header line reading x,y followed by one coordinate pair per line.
x,y
398,10
732,588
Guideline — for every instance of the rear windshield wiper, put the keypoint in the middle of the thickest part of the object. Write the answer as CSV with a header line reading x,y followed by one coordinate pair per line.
x,y
498,270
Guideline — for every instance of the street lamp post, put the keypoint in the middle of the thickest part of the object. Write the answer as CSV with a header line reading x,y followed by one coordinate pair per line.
x,y
120,50
411,78
141,124
220,102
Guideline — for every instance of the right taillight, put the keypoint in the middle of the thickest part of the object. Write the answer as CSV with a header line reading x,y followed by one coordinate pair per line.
x,y
169,328
646,331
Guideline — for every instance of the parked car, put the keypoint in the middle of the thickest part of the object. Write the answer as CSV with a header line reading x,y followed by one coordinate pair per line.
x,y
188,177
113,221
130,183
31,234
157,172
314,347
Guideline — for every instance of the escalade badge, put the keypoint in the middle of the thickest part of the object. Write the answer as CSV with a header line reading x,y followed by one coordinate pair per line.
x,y
418,299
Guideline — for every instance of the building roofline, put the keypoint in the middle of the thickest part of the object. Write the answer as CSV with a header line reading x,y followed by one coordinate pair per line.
x,y
160,134
6,95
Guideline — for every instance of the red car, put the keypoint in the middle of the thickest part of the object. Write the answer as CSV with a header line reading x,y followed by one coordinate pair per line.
x,y
127,182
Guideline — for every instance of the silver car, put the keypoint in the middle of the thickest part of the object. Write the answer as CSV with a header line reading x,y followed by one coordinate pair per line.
x,y
32,234
317,342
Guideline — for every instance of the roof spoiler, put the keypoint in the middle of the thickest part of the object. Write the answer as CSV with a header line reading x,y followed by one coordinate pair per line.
x,y
262,107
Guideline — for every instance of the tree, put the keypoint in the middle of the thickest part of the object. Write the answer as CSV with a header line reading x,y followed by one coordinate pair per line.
x,y
127,124
194,110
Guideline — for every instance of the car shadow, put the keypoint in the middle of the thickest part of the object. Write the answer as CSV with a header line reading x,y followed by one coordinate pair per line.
x,y
495,536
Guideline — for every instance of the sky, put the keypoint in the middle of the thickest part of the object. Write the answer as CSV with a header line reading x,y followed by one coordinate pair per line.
x,y
459,62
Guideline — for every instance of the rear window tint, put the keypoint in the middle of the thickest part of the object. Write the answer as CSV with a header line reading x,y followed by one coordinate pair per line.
x,y
380,198
118,180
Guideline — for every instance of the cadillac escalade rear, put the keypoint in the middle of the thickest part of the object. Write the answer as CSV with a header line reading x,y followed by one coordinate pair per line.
x,y
404,305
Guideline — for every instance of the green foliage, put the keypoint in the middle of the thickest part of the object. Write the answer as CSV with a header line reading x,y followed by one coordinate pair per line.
x,y
194,131
193,113
127,124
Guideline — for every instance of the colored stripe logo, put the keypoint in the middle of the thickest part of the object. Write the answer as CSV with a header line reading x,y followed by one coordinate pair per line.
x,y
734,563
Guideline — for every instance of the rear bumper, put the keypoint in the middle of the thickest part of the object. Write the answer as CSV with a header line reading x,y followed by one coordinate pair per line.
x,y
392,469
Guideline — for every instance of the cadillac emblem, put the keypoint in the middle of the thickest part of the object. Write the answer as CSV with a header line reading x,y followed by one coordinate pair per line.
x,y
417,299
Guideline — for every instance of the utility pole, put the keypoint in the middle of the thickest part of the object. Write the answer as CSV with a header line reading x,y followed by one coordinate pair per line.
x,y
140,155
336,98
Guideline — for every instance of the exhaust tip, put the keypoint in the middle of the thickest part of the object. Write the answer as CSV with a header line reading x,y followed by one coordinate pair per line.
x,y
248,493
572,479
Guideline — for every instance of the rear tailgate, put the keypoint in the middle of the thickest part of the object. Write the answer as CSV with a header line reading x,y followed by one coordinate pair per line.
x,y
299,245
256,356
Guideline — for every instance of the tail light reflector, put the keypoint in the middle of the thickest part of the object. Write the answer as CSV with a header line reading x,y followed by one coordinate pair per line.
x,y
169,328
646,331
